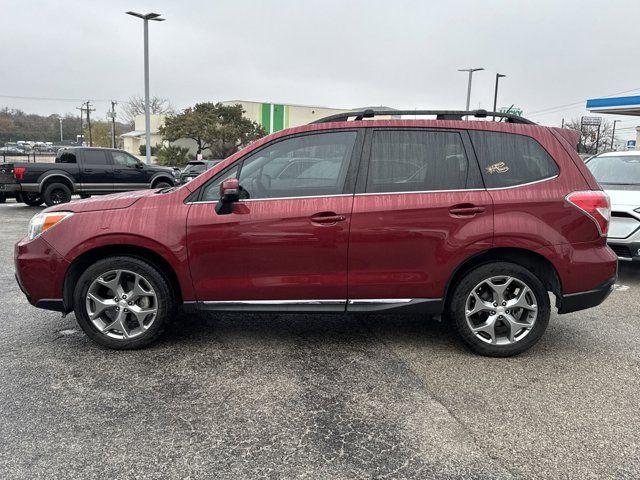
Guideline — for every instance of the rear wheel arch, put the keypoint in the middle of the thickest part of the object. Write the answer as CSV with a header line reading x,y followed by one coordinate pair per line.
x,y
57,178
537,264
83,261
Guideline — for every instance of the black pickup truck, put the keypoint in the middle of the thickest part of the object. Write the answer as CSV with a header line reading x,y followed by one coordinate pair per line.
x,y
81,170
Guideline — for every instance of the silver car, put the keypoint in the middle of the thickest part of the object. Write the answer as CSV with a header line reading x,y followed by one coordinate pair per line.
x,y
619,175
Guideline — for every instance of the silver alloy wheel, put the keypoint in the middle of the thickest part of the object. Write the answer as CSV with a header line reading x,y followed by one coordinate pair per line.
x,y
121,304
501,310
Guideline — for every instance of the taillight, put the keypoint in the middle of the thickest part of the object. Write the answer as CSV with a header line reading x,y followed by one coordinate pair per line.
x,y
596,204
18,173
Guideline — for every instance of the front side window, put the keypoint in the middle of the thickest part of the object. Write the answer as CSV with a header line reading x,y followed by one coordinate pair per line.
x,y
416,161
94,157
308,165
509,160
124,160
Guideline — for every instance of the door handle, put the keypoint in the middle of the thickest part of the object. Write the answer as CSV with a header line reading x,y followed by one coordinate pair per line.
x,y
116,170
466,210
88,170
327,218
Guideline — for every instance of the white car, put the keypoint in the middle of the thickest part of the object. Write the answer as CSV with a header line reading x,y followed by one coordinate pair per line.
x,y
619,175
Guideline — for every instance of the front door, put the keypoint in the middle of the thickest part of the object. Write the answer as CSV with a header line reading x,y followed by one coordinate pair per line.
x,y
284,245
129,173
96,171
420,209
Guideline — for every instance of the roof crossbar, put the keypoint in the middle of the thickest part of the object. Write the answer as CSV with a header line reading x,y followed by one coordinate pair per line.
x,y
440,115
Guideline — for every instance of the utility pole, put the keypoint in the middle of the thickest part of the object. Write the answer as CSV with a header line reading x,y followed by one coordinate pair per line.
x,y
81,108
495,93
89,110
112,114
613,134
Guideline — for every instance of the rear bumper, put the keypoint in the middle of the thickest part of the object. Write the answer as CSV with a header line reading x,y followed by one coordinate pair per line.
x,y
10,189
573,302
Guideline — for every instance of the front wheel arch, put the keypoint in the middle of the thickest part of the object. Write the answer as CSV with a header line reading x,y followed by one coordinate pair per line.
x,y
82,262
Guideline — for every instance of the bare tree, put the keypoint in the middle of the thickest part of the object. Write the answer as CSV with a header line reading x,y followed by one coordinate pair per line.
x,y
589,136
135,106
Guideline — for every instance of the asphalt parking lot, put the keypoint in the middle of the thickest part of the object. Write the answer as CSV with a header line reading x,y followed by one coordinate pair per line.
x,y
300,396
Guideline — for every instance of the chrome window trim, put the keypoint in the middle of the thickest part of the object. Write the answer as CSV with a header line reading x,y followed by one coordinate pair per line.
x,y
421,191
525,184
278,198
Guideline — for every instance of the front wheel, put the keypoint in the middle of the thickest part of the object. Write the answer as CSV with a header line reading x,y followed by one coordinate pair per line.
x,y
162,184
500,309
56,193
123,302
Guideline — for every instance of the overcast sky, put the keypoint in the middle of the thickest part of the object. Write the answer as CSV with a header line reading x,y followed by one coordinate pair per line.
x,y
334,53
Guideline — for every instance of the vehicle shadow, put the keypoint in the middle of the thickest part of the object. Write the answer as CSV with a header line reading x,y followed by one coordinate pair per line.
x,y
230,328
628,272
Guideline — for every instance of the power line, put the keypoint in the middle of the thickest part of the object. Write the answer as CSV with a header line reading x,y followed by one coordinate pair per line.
x,y
53,99
559,108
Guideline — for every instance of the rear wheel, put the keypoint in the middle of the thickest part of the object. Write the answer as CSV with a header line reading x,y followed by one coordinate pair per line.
x,y
123,302
32,199
56,193
500,309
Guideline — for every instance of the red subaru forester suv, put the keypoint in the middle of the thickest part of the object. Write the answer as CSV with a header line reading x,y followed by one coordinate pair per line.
x,y
477,220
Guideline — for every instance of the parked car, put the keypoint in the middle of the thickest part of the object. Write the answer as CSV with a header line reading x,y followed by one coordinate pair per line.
x,y
619,175
11,151
477,220
81,170
195,168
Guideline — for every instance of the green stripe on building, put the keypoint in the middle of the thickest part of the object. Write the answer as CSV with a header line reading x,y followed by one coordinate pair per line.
x,y
265,117
278,118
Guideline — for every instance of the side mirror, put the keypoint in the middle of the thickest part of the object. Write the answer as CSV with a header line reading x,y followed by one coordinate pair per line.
x,y
229,194
140,166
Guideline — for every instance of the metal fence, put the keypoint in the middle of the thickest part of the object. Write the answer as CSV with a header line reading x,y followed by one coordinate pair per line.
x,y
33,156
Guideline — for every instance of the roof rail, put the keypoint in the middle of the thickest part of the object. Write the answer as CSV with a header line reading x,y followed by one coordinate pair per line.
x,y
440,115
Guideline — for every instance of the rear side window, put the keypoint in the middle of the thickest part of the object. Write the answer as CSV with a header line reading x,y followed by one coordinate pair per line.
x,y
415,161
94,157
66,157
508,160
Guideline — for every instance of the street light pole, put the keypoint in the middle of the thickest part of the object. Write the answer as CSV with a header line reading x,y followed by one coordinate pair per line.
x,y
495,94
60,130
470,70
147,115
613,134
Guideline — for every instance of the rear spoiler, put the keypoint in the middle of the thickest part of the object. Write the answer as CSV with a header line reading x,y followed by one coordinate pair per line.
x,y
570,135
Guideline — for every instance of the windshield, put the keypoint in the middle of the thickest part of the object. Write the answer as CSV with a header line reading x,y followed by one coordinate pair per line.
x,y
622,170
195,168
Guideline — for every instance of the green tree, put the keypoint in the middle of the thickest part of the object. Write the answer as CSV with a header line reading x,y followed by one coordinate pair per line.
x,y
220,128
101,133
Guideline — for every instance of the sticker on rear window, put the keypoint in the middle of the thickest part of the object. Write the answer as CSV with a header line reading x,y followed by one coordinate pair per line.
x,y
499,167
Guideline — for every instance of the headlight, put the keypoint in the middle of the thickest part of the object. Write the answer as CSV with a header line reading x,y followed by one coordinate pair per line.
x,y
42,222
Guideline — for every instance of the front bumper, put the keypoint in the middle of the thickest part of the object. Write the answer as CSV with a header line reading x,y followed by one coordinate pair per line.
x,y
40,272
573,302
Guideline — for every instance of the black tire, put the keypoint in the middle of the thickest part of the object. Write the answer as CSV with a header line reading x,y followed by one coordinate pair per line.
x,y
458,304
56,193
166,303
85,195
162,184
32,199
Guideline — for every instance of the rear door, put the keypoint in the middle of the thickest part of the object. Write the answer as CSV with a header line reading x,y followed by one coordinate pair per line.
x,y
420,209
96,171
129,173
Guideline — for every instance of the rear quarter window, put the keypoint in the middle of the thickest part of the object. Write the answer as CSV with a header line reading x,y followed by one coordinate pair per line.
x,y
509,160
